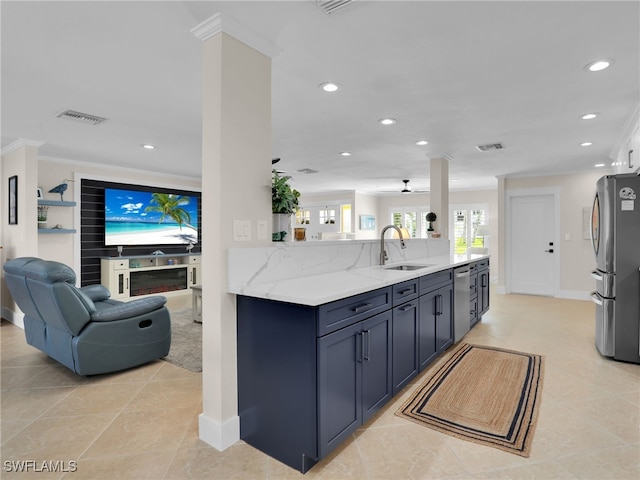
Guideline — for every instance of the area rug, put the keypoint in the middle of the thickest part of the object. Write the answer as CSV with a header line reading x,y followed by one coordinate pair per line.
x,y
186,341
484,395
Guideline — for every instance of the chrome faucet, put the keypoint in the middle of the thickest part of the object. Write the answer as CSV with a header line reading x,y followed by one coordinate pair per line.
x,y
383,252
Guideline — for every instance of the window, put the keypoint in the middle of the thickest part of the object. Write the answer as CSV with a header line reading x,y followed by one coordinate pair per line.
x,y
412,219
465,227
327,216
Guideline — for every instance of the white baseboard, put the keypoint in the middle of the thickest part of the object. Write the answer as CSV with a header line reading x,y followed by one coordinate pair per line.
x,y
219,435
16,318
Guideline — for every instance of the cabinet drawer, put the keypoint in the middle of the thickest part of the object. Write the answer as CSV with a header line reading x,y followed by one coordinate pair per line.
x,y
404,291
435,280
483,264
120,264
336,315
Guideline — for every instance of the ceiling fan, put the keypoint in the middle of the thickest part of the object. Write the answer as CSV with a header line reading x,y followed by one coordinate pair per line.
x,y
406,189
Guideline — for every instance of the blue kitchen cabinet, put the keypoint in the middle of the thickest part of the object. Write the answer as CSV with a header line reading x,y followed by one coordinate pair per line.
x,y
309,376
354,378
435,316
405,344
483,287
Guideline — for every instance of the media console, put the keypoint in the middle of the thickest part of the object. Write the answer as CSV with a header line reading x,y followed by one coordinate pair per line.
x,y
133,276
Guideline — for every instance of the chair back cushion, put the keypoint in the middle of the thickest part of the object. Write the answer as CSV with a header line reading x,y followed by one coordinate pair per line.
x,y
17,285
52,288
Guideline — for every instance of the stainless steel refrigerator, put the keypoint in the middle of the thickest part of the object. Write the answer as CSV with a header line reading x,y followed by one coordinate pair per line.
x,y
615,236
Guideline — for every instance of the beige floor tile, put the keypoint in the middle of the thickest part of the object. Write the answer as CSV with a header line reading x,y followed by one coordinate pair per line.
x,y
95,398
173,393
142,430
409,451
138,465
143,422
23,403
622,463
56,438
240,461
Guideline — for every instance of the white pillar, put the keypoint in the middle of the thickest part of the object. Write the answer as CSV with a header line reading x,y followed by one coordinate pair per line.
x,y
439,194
236,174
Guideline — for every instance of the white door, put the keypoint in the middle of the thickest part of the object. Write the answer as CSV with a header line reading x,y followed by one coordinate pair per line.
x,y
532,237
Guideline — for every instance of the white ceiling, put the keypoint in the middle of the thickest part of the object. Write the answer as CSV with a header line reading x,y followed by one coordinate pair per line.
x,y
454,73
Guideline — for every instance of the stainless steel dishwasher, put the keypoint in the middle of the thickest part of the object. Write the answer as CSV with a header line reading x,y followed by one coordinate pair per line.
x,y
462,298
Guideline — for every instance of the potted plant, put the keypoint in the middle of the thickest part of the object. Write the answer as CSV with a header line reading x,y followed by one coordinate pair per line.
x,y
42,216
431,217
284,201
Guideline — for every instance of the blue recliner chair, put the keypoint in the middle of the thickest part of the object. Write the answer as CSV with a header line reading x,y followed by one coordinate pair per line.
x,y
82,328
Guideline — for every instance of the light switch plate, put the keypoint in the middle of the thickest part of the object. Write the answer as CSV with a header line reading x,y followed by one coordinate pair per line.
x,y
241,230
262,230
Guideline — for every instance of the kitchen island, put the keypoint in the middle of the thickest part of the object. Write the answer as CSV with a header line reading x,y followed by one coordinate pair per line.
x,y
320,354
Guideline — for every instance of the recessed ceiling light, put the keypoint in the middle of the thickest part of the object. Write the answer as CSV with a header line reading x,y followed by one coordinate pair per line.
x,y
421,142
598,65
330,87
589,116
345,154
148,146
586,144
387,121
599,165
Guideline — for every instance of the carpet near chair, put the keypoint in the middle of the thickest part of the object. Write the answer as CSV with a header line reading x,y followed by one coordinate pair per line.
x,y
186,340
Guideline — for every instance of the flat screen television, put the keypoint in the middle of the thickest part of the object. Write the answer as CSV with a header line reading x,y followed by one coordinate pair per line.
x,y
134,217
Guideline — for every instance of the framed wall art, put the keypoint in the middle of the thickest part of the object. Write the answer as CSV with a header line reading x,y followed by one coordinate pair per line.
x,y
367,222
13,200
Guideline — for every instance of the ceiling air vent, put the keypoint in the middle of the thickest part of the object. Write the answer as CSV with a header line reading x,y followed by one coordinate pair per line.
x,y
308,171
332,6
489,146
81,117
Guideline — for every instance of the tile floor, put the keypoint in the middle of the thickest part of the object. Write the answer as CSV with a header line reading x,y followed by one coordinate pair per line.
x,y
142,423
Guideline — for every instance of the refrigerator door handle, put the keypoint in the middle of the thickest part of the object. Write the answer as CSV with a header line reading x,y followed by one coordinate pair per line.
x,y
595,298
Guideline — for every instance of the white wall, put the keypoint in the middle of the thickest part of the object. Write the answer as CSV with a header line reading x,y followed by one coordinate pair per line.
x,y
367,205
577,259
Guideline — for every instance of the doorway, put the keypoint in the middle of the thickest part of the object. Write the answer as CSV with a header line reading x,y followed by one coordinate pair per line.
x,y
532,244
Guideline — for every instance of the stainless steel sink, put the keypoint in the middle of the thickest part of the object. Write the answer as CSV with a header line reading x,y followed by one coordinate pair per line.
x,y
406,267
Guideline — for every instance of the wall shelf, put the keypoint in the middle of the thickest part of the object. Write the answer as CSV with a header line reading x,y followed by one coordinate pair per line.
x,y
56,230
56,203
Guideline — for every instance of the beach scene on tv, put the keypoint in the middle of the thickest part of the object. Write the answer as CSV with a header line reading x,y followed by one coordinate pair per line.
x,y
149,218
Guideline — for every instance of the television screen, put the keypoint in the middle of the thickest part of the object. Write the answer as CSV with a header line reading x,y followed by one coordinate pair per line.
x,y
134,217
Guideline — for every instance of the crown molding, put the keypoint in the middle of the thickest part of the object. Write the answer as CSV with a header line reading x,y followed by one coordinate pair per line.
x,y
220,23
21,142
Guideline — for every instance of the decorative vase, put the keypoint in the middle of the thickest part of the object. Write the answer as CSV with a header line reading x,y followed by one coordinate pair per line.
x,y
281,227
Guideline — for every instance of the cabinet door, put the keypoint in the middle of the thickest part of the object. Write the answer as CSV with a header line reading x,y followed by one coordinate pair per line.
x,y
444,318
427,328
376,363
340,357
483,293
405,344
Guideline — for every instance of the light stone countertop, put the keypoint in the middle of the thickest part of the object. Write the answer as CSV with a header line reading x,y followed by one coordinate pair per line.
x,y
314,290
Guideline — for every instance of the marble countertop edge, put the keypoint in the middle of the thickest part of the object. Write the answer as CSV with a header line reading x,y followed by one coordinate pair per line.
x,y
314,290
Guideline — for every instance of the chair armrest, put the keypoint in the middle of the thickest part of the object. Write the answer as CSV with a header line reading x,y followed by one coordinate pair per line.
x,y
97,292
129,309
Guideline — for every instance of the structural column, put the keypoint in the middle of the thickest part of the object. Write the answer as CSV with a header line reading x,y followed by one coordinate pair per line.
x,y
236,174
439,193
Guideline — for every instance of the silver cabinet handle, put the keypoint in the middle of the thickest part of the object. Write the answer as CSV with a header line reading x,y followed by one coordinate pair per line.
x,y
362,308
630,164
596,299
597,276
404,308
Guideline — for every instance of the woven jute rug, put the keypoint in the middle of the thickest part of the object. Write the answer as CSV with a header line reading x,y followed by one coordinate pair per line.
x,y
485,395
